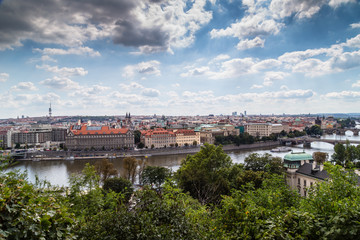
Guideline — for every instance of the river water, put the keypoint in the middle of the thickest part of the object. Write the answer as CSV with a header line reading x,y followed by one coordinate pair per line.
x,y
58,172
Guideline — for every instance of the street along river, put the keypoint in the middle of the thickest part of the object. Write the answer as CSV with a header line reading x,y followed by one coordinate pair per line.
x,y
58,172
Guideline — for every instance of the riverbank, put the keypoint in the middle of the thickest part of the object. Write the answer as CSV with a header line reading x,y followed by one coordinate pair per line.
x,y
83,155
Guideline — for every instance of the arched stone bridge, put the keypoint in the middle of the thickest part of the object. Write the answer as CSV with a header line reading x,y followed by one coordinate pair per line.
x,y
339,131
308,140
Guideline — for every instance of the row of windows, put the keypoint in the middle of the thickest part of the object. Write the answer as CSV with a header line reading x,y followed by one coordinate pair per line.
x,y
101,136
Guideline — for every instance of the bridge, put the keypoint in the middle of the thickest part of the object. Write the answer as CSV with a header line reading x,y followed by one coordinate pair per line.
x,y
340,131
306,140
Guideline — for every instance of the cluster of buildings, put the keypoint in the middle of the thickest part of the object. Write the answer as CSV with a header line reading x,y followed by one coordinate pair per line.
x,y
117,132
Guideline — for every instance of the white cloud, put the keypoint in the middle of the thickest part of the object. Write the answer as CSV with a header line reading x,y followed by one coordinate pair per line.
x,y
172,94
131,87
92,93
250,26
188,94
60,83
196,72
147,25
353,42
343,95
357,84
24,86
46,58
21,100
65,71
264,18
255,86
270,77
147,68
337,3
150,92
176,85
4,77
75,51
346,60
355,25
234,68
313,67
247,44
266,64
220,57
301,8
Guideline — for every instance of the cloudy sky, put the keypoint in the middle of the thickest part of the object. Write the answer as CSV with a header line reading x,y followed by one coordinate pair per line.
x,y
178,57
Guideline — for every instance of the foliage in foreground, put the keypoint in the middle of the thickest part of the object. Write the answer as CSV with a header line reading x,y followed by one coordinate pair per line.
x,y
29,211
249,210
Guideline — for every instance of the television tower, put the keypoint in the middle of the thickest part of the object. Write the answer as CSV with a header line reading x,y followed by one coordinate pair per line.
x,y
50,111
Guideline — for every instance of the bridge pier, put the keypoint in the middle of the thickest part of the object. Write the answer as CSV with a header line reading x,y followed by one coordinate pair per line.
x,y
307,144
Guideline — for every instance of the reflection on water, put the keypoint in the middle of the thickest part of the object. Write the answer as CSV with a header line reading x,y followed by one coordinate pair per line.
x,y
58,172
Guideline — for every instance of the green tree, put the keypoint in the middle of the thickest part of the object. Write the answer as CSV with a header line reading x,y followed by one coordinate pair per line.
x,y
195,143
137,136
313,130
265,162
333,206
141,145
258,213
205,174
339,156
119,185
130,166
33,211
105,169
155,175
320,157
169,215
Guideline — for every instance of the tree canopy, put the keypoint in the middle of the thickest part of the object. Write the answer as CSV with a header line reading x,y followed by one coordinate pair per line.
x,y
210,198
205,174
154,175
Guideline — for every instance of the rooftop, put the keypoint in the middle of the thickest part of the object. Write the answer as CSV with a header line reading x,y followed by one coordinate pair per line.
x,y
298,156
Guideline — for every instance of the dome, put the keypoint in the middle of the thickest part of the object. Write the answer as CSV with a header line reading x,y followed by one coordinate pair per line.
x,y
298,156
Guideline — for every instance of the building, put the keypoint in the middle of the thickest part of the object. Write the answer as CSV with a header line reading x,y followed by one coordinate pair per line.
x,y
185,137
263,129
82,137
208,132
58,134
3,139
302,172
38,134
158,138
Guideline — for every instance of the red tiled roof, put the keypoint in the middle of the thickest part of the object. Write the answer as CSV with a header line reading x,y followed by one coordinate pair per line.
x,y
185,132
157,131
103,130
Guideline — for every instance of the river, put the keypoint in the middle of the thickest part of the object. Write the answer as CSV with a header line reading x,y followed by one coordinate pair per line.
x,y
58,172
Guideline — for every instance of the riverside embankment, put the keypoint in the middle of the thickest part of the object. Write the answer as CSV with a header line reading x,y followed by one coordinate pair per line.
x,y
75,155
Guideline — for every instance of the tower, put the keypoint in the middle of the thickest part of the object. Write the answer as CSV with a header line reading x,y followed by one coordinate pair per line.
x,y
128,118
50,111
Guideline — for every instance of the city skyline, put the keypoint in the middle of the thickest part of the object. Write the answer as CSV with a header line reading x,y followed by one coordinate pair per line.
x,y
179,57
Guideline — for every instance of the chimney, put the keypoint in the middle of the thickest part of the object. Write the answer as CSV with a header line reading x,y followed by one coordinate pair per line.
x,y
313,165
